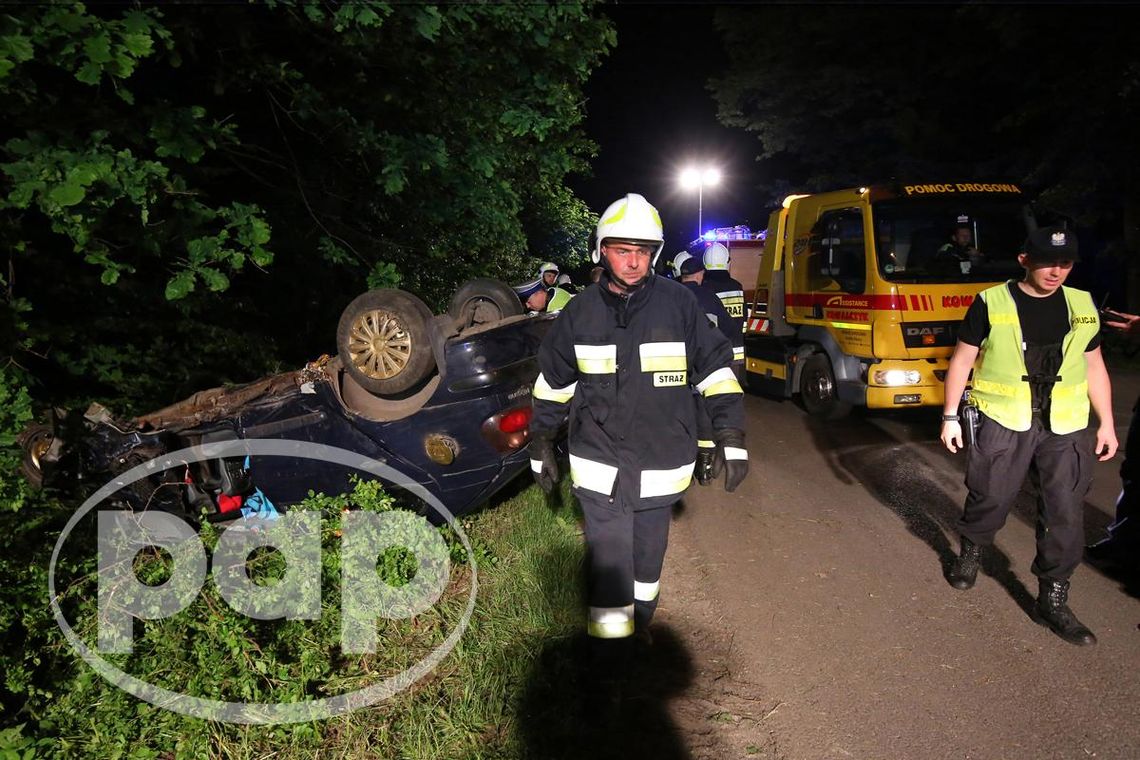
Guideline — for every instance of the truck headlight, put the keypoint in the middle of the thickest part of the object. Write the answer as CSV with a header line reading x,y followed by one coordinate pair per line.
x,y
896,377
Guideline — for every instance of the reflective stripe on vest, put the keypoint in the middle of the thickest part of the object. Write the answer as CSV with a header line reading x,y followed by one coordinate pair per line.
x,y
719,381
544,391
611,622
998,388
596,360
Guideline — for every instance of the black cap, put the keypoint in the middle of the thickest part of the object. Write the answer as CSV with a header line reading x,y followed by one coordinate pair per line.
x,y
692,265
1052,244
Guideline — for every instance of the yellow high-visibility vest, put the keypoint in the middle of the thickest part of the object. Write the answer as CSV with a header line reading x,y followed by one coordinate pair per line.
x,y
999,387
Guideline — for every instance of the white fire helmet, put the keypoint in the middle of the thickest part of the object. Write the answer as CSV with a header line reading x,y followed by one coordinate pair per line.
x,y
716,257
678,260
547,266
633,219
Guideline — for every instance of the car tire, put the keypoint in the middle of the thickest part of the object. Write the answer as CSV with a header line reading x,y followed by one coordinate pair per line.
x,y
819,391
34,443
483,300
384,343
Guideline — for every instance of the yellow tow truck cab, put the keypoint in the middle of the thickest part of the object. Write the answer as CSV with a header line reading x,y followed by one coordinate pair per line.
x,y
859,292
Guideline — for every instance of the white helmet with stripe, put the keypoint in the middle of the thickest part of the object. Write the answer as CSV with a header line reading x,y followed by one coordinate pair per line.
x,y
677,261
716,256
633,219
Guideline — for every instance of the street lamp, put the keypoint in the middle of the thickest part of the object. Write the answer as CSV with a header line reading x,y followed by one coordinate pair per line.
x,y
698,178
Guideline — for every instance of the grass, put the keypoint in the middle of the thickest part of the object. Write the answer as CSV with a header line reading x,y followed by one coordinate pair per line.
x,y
477,703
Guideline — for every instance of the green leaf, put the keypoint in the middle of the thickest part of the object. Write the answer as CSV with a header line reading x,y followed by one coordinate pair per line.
x,y
67,194
428,22
180,285
89,73
98,48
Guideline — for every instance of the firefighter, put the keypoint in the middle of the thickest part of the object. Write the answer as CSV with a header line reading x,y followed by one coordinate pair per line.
x,y
1039,368
691,273
620,362
729,291
548,273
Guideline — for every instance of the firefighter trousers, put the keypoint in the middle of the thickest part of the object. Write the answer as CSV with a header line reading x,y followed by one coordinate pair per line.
x,y
1059,466
626,550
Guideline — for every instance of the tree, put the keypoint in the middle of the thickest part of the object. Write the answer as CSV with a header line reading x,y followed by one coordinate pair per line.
x,y
1045,96
232,176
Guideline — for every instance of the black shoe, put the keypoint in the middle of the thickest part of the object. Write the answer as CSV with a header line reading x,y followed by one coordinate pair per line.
x,y
963,571
1052,610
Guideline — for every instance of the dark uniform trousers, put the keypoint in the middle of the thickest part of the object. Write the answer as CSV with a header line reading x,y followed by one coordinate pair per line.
x,y
1059,466
1125,529
626,546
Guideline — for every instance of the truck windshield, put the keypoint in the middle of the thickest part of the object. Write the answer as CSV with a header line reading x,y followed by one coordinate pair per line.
x,y
948,240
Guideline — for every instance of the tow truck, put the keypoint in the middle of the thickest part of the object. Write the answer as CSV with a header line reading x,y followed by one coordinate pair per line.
x,y
859,292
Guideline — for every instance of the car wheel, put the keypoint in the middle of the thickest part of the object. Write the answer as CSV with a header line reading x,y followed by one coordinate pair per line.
x,y
383,341
34,444
483,300
818,390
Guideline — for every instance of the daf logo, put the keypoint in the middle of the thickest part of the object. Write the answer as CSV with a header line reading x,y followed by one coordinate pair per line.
x,y
917,332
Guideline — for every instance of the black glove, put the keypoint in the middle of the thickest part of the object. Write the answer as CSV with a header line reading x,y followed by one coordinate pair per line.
x,y
543,464
731,456
703,470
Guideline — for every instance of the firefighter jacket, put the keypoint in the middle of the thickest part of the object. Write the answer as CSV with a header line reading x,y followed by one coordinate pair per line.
x,y
1001,386
731,294
624,371
714,310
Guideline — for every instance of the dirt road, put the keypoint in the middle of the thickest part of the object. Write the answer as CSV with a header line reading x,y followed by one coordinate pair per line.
x,y
813,611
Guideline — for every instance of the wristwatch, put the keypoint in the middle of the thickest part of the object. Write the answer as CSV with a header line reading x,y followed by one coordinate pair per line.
x,y
950,418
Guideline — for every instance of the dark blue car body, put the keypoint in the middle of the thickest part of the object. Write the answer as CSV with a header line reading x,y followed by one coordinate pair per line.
x,y
484,375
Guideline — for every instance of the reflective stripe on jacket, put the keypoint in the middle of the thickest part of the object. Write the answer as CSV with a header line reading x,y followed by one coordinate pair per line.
x,y
1000,387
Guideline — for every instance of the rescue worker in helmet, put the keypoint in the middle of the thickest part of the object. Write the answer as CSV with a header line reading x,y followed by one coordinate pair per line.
x,y
729,291
691,273
675,264
534,294
620,362
559,295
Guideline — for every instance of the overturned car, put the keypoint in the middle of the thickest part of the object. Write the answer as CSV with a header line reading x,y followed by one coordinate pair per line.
x,y
444,400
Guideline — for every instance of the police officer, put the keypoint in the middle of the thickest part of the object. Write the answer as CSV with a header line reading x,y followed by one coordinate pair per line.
x,y
1038,369
728,290
620,361
691,271
534,293
558,296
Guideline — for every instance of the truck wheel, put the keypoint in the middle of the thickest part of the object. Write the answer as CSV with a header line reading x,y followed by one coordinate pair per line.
x,y
818,390
483,300
382,340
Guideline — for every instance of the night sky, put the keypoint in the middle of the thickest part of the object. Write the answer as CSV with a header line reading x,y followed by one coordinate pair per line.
x,y
651,115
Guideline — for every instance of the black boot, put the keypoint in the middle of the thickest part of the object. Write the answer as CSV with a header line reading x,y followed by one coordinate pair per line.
x,y
1052,610
963,571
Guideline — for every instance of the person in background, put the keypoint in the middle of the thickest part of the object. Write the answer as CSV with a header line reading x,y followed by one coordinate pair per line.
x,y
558,296
960,251
1034,346
691,272
620,362
729,291
534,294
1121,548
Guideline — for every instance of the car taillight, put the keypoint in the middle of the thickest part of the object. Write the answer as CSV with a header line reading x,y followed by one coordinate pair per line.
x,y
507,430
516,420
